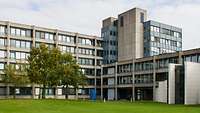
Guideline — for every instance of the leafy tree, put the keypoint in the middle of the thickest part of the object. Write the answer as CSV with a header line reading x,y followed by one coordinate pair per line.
x,y
49,67
71,74
15,77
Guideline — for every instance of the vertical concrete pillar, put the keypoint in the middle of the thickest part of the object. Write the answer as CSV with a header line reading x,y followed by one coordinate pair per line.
x,y
180,57
154,78
133,80
56,38
116,94
8,43
101,82
33,36
95,65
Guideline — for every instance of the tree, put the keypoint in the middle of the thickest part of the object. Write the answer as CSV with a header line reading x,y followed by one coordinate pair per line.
x,y
17,77
71,74
49,67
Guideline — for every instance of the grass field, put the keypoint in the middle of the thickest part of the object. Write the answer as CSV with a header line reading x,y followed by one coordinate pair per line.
x,y
64,106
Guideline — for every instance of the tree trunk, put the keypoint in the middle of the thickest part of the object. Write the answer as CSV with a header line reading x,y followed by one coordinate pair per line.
x,y
14,96
43,91
7,90
66,92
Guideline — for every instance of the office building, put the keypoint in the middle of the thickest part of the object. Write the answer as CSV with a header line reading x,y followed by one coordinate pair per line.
x,y
17,39
160,38
109,35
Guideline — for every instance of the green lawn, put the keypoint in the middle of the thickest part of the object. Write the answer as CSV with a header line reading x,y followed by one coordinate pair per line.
x,y
64,106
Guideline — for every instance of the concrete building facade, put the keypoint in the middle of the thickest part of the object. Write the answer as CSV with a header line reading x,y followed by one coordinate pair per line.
x,y
17,39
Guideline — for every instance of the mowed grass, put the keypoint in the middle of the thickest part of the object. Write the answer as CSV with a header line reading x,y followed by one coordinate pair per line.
x,y
66,106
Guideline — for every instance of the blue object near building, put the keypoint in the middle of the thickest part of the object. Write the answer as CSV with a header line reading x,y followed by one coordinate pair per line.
x,y
92,94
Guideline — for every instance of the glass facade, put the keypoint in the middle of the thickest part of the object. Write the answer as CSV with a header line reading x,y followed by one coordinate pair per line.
x,y
161,38
109,35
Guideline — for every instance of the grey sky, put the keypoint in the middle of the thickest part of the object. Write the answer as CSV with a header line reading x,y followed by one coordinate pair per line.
x,y
85,16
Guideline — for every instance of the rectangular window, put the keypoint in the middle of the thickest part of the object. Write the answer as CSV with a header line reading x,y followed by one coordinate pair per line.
x,y
2,30
18,55
51,37
12,55
23,33
17,44
18,33
23,55
28,33
1,66
28,45
60,38
2,43
46,36
37,35
23,44
12,31
2,54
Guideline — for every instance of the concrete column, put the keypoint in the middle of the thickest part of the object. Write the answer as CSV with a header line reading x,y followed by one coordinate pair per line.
x,y
95,65
33,36
76,43
180,57
56,38
133,80
116,95
154,78
8,43
101,83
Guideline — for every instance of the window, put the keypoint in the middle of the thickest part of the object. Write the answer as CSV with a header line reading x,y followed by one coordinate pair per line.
x,y
23,33
2,30
141,17
23,44
17,44
12,55
2,54
23,56
2,43
18,55
12,31
1,66
18,32
37,35
121,21
28,45
51,36
47,36
28,33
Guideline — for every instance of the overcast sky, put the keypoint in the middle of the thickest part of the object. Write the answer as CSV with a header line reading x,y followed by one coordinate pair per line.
x,y
85,16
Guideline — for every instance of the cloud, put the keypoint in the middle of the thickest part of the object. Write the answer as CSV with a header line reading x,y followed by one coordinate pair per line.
x,y
85,16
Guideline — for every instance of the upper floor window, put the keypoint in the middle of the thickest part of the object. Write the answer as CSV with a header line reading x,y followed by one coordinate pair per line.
x,y
2,30
85,41
2,54
20,32
20,44
155,29
2,42
44,35
1,66
66,39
